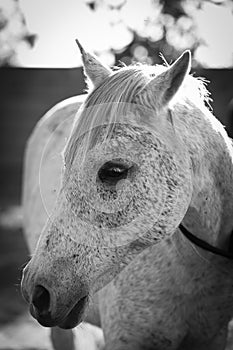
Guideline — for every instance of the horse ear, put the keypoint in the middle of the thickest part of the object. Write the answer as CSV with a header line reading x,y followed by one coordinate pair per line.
x,y
164,86
94,70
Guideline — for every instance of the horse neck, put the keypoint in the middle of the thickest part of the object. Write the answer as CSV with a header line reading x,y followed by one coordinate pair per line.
x,y
210,214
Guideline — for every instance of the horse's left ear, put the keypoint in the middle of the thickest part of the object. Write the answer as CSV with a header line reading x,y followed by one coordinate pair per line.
x,y
94,70
164,86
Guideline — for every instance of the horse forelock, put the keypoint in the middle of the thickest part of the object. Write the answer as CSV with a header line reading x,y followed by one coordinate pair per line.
x,y
122,86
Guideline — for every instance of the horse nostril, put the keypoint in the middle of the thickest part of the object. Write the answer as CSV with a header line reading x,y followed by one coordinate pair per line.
x,y
41,299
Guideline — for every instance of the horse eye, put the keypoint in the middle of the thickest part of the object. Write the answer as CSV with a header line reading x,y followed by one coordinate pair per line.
x,y
110,173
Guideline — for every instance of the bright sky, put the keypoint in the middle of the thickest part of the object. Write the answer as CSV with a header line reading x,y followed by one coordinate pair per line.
x,y
215,27
58,23
57,26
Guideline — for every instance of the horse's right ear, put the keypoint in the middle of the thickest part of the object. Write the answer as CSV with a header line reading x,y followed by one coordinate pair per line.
x,y
94,70
175,75
161,89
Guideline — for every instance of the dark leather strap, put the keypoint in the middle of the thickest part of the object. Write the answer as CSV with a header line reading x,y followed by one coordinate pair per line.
x,y
206,246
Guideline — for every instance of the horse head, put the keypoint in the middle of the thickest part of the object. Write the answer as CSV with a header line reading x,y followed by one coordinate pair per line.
x,y
127,184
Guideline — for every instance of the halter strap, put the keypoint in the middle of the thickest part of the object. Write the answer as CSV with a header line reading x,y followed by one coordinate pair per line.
x,y
206,246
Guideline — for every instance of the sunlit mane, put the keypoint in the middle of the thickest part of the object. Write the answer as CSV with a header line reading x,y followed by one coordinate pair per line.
x,y
126,82
121,87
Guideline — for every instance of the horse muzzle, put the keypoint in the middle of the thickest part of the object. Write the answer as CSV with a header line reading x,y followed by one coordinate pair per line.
x,y
48,308
66,321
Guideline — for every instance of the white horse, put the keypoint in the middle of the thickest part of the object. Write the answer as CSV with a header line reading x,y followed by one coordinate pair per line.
x,y
143,211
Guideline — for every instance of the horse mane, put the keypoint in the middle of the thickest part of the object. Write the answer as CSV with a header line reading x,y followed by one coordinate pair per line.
x,y
121,88
127,81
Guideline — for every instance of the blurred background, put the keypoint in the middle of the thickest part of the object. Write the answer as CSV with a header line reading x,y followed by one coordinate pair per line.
x,y
40,65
